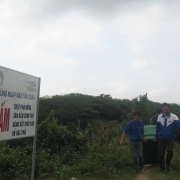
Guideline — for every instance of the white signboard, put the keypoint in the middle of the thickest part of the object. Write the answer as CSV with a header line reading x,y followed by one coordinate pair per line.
x,y
19,94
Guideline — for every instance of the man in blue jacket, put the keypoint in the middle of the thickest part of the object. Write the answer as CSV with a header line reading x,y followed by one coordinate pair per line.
x,y
135,130
167,124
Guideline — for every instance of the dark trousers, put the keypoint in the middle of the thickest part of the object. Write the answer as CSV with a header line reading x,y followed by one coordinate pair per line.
x,y
136,152
164,145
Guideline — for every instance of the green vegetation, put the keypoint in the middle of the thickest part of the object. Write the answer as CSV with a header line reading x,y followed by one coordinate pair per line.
x,y
64,151
175,168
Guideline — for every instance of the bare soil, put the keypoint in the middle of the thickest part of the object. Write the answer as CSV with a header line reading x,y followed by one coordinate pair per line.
x,y
144,174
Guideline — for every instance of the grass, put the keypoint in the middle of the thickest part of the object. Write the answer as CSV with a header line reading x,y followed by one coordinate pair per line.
x,y
174,174
155,174
126,172
112,162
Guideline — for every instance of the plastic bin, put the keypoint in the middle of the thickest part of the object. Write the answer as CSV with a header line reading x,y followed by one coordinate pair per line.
x,y
150,148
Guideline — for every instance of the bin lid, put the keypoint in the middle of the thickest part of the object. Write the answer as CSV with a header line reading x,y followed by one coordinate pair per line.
x,y
149,131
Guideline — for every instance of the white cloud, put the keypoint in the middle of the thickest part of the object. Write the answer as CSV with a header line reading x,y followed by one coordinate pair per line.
x,y
159,93
142,64
48,43
136,47
142,24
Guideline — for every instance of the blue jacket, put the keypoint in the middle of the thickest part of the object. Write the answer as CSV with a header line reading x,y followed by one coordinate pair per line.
x,y
134,130
166,127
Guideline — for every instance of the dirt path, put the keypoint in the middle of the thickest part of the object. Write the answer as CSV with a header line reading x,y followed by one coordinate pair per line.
x,y
144,174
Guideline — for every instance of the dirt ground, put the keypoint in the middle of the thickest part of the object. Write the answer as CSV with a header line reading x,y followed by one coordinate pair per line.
x,y
144,174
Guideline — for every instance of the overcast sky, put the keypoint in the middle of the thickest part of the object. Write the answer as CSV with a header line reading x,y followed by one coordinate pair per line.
x,y
124,48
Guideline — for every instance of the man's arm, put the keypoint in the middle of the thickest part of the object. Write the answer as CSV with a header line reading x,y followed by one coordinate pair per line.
x,y
122,138
177,122
126,130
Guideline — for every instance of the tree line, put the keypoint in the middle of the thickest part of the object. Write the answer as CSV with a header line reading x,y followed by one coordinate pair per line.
x,y
72,107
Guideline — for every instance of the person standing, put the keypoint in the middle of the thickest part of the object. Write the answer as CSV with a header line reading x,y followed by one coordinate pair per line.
x,y
135,130
166,127
155,117
151,117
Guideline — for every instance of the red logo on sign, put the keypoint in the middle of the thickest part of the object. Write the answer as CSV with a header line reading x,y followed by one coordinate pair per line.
x,y
4,118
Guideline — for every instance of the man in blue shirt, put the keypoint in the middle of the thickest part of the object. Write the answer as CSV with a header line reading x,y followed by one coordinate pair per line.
x,y
166,127
135,130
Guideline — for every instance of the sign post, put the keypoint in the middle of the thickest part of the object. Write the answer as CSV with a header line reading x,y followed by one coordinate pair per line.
x,y
19,106
34,139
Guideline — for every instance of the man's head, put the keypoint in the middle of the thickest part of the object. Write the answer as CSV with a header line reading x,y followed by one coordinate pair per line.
x,y
166,108
137,116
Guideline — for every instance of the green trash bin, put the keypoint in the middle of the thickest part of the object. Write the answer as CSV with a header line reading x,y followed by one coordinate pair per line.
x,y
150,148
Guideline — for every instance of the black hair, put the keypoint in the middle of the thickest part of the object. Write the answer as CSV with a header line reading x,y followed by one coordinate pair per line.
x,y
165,104
159,110
137,113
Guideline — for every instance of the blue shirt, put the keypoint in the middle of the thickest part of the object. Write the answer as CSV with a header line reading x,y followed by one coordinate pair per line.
x,y
134,130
